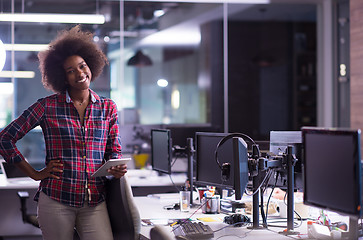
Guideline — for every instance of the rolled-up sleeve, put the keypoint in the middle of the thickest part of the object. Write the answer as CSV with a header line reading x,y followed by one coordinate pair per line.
x,y
113,147
28,120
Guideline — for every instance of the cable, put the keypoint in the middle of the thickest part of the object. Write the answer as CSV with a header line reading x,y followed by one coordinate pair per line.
x,y
174,161
296,225
299,217
171,179
263,181
232,225
185,220
269,198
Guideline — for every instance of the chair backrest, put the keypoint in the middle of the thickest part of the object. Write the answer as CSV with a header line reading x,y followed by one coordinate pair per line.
x,y
161,233
122,210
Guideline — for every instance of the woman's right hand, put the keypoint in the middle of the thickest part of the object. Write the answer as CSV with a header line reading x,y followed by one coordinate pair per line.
x,y
53,166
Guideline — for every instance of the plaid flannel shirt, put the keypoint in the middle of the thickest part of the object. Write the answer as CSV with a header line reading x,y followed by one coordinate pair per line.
x,y
81,149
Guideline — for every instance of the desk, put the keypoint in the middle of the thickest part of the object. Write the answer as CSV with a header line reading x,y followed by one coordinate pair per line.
x,y
152,208
143,182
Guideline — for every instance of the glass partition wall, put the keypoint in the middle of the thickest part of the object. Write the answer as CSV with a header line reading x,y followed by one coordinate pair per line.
x,y
233,67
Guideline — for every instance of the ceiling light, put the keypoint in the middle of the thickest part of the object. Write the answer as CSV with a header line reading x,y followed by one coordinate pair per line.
x,y
106,38
53,18
175,99
162,83
139,60
213,1
159,13
17,74
26,47
96,38
178,36
2,55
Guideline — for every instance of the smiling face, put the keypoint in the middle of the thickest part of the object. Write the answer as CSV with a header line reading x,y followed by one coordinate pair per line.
x,y
78,73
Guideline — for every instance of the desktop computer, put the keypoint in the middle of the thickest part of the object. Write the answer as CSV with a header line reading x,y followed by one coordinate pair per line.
x,y
332,176
333,172
161,150
279,141
208,171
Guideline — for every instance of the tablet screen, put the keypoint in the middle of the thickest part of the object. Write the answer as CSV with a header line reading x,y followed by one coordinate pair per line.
x,y
102,171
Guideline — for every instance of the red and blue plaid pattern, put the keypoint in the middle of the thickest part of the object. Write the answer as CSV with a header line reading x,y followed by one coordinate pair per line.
x,y
81,149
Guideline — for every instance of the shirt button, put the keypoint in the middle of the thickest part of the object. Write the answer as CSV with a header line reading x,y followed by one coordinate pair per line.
x,y
84,157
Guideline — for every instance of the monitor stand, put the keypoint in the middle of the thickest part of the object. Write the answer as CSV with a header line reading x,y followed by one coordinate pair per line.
x,y
190,152
354,231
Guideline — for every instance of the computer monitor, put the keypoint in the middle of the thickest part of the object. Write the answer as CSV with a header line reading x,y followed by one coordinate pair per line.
x,y
279,140
332,169
32,146
208,172
240,160
161,150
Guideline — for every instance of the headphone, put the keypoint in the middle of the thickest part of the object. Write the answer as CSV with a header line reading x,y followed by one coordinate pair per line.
x,y
226,167
237,220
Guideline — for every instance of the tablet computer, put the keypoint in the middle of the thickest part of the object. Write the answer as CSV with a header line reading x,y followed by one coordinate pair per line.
x,y
102,171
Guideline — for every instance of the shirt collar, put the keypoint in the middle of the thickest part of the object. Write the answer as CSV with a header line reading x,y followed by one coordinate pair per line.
x,y
94,97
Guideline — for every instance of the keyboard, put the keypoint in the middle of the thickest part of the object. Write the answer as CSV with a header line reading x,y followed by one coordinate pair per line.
x,y
193,230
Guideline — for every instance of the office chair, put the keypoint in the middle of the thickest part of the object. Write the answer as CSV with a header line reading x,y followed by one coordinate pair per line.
x,y
124,215
32,218
161,233
27,218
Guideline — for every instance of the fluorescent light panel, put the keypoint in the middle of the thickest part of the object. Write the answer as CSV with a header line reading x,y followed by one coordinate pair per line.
x,y
210,1
26,47
2,55
17,74
178,36
53,18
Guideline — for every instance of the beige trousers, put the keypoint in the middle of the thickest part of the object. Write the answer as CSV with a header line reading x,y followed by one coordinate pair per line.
x,y
57,221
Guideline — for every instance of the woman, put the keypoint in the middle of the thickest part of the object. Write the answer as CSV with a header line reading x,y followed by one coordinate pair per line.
x,y
80,131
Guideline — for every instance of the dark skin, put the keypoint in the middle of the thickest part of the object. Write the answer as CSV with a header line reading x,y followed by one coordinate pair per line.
x,y
78,80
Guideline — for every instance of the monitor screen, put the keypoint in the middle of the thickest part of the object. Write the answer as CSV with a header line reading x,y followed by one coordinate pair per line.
x,y
240,159
161,150
32,146
208,171
332,169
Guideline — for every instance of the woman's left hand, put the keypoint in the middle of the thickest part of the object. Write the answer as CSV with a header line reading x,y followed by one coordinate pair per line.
x,y
118,171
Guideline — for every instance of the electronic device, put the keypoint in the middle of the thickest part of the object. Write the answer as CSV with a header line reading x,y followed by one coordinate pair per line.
x,y
279,140
208,171
193,230
332,169
103,170
240,159
12,173
161,150
32,146
237,220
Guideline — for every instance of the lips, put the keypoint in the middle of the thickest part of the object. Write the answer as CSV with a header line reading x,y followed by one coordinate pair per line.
x,y
82,80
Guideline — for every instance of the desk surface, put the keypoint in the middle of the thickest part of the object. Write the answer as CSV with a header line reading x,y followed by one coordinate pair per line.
x,y
153,208
137,178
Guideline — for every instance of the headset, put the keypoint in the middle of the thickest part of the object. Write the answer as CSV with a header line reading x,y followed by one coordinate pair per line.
x,y
226,167
238,220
